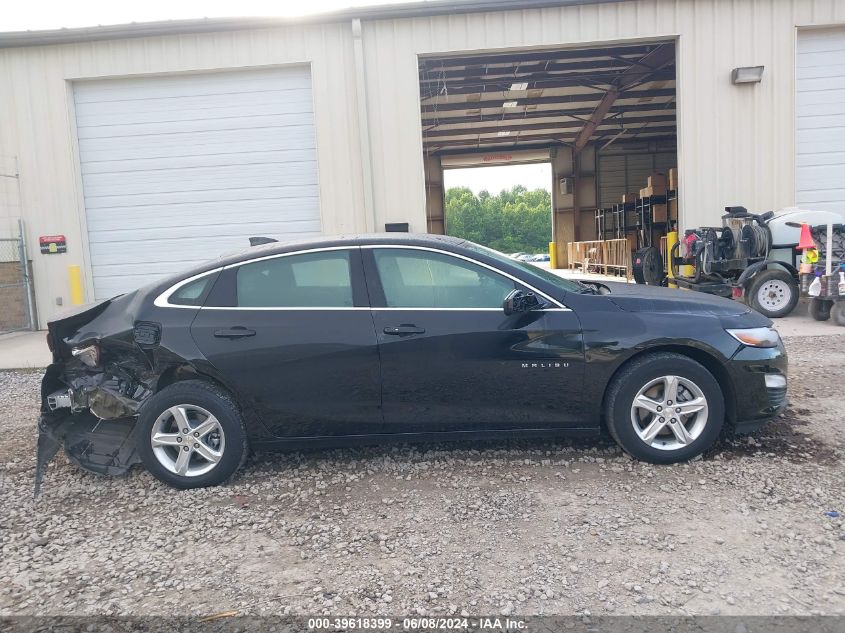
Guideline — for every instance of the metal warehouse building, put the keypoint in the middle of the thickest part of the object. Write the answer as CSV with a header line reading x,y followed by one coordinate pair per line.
x,y
151,147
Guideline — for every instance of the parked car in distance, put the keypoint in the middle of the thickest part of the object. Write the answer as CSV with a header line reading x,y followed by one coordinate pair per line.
x,y
517,255
540,257
524,257
394,336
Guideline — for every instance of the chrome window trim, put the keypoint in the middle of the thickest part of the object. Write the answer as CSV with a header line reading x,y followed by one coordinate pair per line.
x,y
303,252
162,300
286,309
472,261
316,308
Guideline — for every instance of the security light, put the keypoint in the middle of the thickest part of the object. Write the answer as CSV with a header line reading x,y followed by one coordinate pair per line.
x,y
520,86
747,75
509,104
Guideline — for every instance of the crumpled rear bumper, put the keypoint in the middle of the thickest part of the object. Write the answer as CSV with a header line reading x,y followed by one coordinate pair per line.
x,y
105,447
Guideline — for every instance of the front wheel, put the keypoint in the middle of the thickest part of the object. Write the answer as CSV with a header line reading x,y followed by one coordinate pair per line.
x,y
664,408
191,435
773,293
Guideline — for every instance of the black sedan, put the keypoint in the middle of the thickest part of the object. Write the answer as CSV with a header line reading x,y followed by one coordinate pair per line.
x,y
394,336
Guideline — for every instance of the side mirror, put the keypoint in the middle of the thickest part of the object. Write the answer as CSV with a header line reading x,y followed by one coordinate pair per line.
x,y
519,301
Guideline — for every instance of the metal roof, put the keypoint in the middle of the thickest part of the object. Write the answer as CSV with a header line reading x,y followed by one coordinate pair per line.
x,y
14,39
535,97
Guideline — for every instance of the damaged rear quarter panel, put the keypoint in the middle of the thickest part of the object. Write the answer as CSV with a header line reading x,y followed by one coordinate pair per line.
x,y
98,430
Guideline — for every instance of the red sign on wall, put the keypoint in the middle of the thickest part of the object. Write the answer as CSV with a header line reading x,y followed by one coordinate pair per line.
x,y
51,244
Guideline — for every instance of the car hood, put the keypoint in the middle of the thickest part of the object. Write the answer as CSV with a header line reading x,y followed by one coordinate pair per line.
x,y
640,298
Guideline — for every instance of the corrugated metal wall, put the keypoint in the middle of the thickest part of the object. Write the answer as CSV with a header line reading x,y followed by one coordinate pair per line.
x,y
628,172
10,206
736,143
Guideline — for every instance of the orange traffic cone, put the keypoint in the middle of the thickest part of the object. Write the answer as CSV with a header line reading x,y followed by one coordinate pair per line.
x,y
806,240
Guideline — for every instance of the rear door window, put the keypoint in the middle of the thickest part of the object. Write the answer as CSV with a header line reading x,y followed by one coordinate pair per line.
x,y
309,280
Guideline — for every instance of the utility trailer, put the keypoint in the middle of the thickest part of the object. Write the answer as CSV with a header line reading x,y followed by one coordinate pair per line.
x,y
751,257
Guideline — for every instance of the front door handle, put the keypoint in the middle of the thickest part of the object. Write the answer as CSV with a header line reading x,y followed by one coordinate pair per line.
x,y
403,330
235,332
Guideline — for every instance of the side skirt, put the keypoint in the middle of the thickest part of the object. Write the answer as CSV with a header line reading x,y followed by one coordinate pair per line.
x,y
339,441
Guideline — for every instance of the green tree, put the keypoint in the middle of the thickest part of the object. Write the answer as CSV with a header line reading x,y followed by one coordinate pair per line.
x,y
514,220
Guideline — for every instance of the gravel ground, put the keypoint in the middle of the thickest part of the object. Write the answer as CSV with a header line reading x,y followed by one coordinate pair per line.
x,y
539,527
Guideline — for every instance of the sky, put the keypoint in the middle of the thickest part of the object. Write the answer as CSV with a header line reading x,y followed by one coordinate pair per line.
x,y
55,14
494,179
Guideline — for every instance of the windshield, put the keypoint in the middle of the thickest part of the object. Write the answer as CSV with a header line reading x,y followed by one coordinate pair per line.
x,y
532,271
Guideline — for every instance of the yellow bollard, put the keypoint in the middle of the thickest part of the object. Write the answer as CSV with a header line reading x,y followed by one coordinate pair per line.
x,y
74,279
671,240
552,255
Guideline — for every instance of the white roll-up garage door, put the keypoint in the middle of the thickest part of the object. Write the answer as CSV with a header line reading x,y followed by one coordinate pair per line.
x,y
180,169
820,125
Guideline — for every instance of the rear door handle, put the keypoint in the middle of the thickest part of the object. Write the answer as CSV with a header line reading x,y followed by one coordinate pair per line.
x,y
235,332
403,330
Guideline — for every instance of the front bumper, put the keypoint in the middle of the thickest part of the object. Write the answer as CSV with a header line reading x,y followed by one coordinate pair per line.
x,y
759,376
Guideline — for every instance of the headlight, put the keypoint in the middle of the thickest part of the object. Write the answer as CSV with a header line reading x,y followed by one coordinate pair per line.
x,y
756,336
90,354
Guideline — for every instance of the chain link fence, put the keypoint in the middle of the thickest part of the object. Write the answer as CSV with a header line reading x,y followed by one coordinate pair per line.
x,y
16,305
17,310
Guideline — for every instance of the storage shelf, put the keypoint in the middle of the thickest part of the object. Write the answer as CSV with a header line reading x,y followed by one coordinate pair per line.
x,y
626,218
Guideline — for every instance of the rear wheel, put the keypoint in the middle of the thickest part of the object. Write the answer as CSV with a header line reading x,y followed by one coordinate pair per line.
x,y
664,408
773,293
191,435
820,309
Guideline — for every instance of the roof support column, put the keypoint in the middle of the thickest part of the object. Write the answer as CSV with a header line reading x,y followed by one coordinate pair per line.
x,y
370,216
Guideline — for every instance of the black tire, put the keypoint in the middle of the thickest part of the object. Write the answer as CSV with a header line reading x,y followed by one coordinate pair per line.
x,y
212,399
772,275
640,372
820,309
648,266
838,313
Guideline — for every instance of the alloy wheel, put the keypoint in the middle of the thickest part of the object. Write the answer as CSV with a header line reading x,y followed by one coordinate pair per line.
x,y
187,440
669,412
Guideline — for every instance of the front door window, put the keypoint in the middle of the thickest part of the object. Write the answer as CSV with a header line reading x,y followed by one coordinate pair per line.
x,y
424,279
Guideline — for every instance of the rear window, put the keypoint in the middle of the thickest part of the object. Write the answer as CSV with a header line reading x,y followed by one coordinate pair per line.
x,y
191,294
